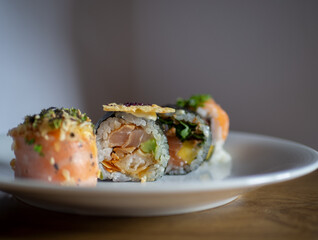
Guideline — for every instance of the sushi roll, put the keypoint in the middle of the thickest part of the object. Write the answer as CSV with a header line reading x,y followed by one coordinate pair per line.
x,y
189,139
214,114
58,145
131,145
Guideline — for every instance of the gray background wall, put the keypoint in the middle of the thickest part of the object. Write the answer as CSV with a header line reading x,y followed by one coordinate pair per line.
x,y
259,59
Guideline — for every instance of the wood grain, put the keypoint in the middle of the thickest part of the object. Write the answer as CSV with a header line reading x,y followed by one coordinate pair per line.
x,y
286,210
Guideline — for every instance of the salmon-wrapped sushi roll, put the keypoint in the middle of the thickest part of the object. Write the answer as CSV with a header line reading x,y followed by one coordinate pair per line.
x,y
189,140
213,113
57,146
131,145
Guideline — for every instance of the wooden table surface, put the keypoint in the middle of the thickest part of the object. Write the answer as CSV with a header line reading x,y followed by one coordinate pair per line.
x,y
286,210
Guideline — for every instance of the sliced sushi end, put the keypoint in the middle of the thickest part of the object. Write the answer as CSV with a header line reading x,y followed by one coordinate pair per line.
x,y
189,139
181,153
131,149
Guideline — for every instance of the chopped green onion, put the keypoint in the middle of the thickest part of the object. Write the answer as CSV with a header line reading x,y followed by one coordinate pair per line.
x,y
38,149
29,142
55,123
184,131
194,101
84,118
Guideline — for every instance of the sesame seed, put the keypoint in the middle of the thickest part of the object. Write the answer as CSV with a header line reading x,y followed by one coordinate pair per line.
x,y
57,146
62,136
143,179
56,166
66,174
52,161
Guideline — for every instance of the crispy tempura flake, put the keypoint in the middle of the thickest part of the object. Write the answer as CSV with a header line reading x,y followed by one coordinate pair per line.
x,y
137,108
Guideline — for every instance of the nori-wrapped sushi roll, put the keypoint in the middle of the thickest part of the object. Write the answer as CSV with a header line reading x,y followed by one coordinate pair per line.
x,y
189,139
217,118
131,145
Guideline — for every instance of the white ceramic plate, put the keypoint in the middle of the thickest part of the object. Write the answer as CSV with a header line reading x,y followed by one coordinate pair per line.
x,y
256,161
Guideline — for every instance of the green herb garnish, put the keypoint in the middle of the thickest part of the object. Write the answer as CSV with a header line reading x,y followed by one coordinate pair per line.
x,y
198,136
166,121
183,131
55,117
55,123
29,142
73,112
84,117
194,101
38,149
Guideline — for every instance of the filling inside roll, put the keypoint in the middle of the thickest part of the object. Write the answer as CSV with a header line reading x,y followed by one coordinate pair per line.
x,y
189,140
131,149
